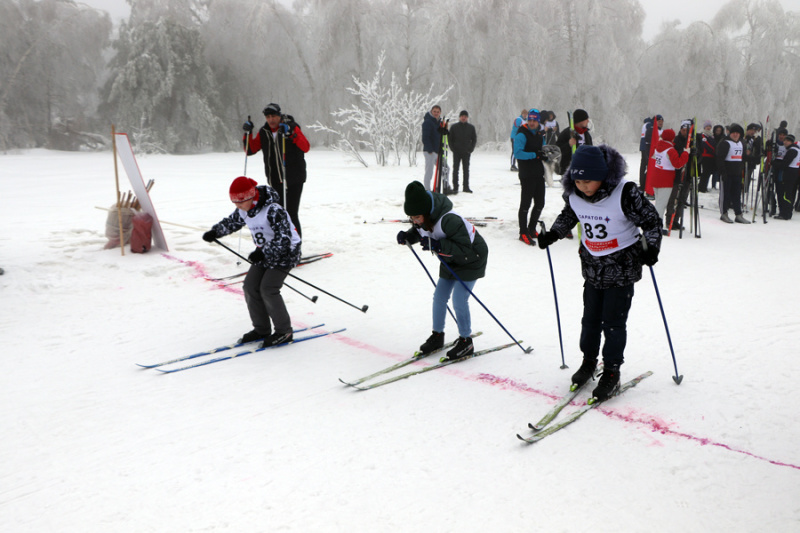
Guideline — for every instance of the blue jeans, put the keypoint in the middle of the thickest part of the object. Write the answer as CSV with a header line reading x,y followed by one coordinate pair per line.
x,y
444,288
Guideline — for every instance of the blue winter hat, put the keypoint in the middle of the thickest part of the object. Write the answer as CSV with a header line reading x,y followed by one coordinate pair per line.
x,y
533,114
588,163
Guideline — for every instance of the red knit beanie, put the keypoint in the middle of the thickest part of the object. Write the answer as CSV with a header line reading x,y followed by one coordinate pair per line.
x,y
243,188
668,135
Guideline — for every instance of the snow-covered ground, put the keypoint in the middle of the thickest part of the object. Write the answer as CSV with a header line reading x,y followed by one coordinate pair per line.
x,y
274,442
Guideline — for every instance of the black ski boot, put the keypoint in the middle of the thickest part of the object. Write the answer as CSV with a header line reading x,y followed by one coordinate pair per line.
x,y
608,384
278,338
585,372
253,336
462,348
434,342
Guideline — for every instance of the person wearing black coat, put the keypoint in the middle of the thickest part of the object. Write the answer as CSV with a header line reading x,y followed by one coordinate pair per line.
x,y
283,145
462,140
574,137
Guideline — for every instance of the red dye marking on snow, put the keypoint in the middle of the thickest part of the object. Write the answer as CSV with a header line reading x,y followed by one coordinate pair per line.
x,y
655,425
368,347
201,272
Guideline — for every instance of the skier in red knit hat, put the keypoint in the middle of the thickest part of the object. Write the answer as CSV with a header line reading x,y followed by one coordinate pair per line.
x,y
277,251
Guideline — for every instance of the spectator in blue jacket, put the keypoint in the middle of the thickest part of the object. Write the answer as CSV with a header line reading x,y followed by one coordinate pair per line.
x,y
519,121
431,141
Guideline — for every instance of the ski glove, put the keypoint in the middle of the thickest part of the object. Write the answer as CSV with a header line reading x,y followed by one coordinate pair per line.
x,y
256,256
431,244
248,126
650,255
401,237
210,236
289,121
547,238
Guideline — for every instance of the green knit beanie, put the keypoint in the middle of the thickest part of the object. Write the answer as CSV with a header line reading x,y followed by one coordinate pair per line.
x,y
418,200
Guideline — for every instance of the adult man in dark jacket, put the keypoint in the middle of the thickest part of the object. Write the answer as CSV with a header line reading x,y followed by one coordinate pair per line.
x,y
528,144
283,145
462,140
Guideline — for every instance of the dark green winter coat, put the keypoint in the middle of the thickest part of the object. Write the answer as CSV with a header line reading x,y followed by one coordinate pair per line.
x,y
467,259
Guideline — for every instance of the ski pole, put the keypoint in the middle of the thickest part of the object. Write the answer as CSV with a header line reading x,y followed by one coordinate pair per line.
x,y
246,149
363,308
676,378
312,298
555,299
283,163
429,277
526,350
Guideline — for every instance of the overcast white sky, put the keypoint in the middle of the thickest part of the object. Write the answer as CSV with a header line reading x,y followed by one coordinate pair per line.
x,y
658,11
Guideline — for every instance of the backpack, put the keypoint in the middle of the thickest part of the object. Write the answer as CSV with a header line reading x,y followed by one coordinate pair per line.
x,y
141,236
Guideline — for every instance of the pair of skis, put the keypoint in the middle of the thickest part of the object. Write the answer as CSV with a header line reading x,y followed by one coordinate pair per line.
x,y
444,361
253,347
543,428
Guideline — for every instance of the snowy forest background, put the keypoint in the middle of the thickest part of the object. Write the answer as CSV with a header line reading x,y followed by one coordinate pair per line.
x,y
180,76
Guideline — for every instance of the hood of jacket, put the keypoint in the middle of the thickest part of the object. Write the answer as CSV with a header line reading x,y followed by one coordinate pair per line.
x,y
441,206
617,168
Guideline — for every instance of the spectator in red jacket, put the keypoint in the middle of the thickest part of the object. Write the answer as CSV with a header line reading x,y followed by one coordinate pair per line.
x,y
284,146
667,161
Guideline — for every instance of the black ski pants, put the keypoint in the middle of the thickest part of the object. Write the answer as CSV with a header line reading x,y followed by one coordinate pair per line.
x,y
461,159
532,189
605,311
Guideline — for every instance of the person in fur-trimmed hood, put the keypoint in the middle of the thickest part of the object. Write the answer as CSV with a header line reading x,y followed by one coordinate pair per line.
x,y
277,251
610,210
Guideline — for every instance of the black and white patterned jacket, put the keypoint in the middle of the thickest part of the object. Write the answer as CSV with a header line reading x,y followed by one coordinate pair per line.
x,y
280,242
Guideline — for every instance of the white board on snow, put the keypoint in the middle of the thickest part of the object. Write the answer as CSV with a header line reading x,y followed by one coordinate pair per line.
x,y
125,153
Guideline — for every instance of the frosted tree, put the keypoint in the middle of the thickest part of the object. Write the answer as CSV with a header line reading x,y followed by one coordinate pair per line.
x,y
162,90
386,119
49,71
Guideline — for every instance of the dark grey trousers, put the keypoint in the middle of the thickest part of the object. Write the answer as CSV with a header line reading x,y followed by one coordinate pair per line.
x,y
262,292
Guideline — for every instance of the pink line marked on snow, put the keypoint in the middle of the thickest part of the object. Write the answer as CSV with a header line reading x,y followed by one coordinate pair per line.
x,y
655,425
200,271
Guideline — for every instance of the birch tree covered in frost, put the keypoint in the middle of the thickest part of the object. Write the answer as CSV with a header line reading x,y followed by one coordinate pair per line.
x,y
386,119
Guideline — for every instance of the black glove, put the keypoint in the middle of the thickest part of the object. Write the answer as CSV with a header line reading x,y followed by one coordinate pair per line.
x,y
431,244
210,236
256,256
547,238
650,255
248,126
401,237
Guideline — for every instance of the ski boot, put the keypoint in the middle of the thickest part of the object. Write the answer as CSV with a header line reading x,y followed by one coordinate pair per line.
x,y
608,384
278,338
434,342
253,336
462,348
584,373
